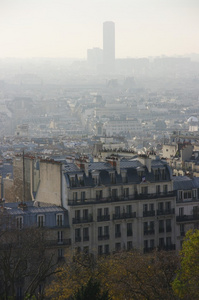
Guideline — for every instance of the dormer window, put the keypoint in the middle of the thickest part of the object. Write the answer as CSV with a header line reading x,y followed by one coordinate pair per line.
x,y
40,220
95,179
163,174
124,177
72,181
156,174
112,177
81,180
60,220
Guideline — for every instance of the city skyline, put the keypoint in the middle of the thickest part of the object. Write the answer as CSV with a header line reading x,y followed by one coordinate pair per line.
x,y
69,28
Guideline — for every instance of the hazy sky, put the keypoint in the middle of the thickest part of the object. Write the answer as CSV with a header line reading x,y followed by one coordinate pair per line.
x,y
67,28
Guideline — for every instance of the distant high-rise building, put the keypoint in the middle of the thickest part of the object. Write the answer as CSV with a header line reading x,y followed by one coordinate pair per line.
x,y
94,57
109,46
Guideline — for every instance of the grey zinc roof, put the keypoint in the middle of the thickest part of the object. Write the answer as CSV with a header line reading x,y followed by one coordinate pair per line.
x,y
130,164
14,210
99,166
183,183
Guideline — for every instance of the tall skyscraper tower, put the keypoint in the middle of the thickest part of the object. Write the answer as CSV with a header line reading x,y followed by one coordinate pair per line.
x,y
109,46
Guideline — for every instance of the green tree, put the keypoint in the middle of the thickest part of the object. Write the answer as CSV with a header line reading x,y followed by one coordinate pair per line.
x,y
91,290
186,283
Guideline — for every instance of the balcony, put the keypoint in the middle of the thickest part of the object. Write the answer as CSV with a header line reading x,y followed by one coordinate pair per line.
x,y
64,242
149,249
167,247
150,231
187,218
118,234
103,218
149,213
166,212
121,198
82,220
103,237
124,216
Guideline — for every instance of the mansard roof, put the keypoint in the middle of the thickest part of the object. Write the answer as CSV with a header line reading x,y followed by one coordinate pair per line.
x,y
133,171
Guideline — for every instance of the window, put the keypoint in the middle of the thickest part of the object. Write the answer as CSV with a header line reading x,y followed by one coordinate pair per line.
x,y
100,231
152,244
114,193
106,230
75,196
165,189
112,175
168,241
106,249
194,193
72,181
77,235
145,244
182,230
161,206
157,175
129,245
100,250
145,226
161,242
145,207
60,219
163,174
85,234
181,211
151,224
81,180
117,246
19,222
77,214
144,190
195,210
126,192
151,207
187,195
161,226
128,209
157,189
60,236
40,220
85,214
180,195
168,225
117,231
117,210
99,212
168,205
129,229
106,211
99,195
83,196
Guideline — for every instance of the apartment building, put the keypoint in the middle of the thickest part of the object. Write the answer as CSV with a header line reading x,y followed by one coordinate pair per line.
x,y
187,206
113,205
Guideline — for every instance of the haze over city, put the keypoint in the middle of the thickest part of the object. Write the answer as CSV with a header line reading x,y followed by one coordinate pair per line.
x,y
99,149
60,28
